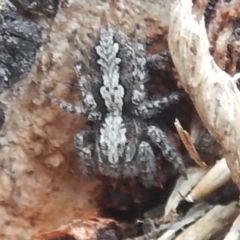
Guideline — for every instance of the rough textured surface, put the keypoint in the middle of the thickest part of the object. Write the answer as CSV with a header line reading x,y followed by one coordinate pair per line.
x,y
39,172
223,33
213,91
41,186
40,7
121,134
92,229
20,39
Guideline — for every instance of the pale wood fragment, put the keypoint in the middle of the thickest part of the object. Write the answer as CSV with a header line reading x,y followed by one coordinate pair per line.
x,y
187,142
213,92
215,178
234,233
182,188
210,223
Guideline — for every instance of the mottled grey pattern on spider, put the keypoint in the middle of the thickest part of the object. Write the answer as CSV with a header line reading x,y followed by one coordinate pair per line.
x,y
119,141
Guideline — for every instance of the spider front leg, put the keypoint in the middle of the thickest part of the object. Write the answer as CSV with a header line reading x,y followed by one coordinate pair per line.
x,y
84,148
168,147
133,72
150,107
161,61
68,107
146,164
139,72
84,80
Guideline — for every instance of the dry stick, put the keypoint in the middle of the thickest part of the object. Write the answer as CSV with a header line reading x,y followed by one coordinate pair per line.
x,y
210,223
234,233
214,93
217,176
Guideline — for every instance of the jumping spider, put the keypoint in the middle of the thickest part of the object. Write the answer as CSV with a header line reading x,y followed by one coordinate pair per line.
x,y
120,140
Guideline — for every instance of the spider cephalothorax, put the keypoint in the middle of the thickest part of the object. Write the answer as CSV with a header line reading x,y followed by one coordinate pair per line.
x,y
120,139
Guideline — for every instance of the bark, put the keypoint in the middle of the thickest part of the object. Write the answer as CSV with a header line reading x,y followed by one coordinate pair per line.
x,y
41,186
42,191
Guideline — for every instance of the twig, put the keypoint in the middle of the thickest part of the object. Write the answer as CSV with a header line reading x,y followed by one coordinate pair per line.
x,y
214,93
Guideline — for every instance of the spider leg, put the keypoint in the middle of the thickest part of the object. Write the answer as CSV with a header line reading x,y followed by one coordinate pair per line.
x,y
133,72
84,81
68,107
85,152
139,77
150,107
139,73
161,61
168,147
146,107
146,163
83,84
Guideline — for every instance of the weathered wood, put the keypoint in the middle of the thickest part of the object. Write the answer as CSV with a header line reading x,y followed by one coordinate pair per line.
x,y
214,93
